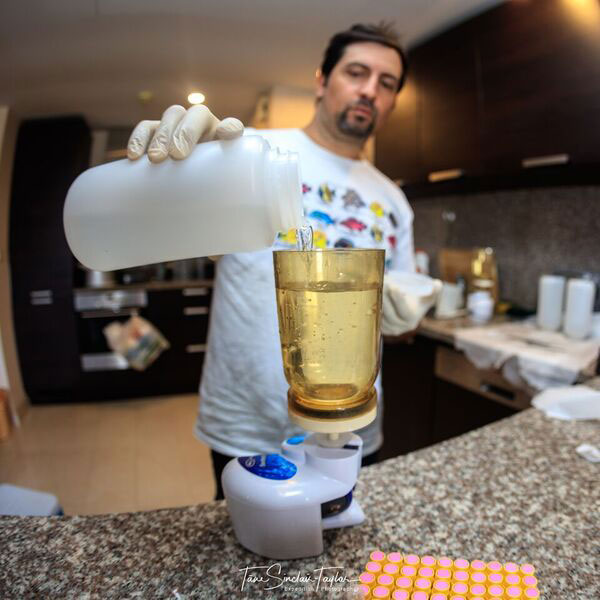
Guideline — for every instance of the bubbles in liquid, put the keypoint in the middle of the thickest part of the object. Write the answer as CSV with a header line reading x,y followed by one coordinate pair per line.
x,y
304,238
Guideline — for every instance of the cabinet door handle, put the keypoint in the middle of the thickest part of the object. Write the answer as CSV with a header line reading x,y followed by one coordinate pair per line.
x,y
545,161
497,391
103,314
192,311
41,301
195,291
445,175
195,348
40,297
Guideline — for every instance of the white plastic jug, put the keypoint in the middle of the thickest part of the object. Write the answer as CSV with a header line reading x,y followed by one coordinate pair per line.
x,y
227,196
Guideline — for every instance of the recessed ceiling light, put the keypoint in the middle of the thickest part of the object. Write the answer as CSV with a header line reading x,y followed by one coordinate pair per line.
x,y
196,98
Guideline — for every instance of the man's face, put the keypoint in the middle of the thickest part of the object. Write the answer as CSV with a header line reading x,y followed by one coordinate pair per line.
x,y
360,91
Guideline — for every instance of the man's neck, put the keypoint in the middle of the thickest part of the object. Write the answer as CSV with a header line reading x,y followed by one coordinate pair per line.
x,y
342,146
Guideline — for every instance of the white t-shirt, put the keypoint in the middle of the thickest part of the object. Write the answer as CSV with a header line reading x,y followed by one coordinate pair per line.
x,y
243,392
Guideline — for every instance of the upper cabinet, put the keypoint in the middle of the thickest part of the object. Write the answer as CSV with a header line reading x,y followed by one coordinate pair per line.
x,y
397,151
499,100
540,77
445,73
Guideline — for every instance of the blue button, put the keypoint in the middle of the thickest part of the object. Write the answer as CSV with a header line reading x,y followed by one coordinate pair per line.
x,y
297,439
269,466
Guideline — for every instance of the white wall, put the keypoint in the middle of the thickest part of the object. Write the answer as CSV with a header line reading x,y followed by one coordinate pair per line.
x,y
290,107
285,107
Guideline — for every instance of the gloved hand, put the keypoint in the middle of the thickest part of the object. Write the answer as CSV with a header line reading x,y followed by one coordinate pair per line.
x,y
178,132
406,299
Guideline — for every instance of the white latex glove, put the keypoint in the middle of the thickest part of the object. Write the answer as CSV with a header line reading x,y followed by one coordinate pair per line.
x,y
406,299
178,132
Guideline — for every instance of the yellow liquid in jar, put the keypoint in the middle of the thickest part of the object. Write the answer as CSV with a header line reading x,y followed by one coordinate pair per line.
x,y
330,341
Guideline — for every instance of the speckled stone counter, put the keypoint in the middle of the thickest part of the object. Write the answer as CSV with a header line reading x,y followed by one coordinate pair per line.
x,y
512,491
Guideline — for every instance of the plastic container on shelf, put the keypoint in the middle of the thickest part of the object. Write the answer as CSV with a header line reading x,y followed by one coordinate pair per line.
x,y
227,196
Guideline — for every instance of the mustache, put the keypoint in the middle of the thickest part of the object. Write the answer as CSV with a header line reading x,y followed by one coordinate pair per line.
x,y
365,103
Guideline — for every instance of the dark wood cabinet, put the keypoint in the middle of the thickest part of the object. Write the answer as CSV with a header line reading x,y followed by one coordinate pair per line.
x,y
397,149
449,104
408,388
49,154
434,132
511,98
180,314
540,74
421,408
457,410
63,353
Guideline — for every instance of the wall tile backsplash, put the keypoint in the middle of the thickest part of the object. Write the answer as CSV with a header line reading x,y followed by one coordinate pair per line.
x,y
532,231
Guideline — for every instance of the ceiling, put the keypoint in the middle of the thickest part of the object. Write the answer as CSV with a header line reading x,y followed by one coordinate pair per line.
x,y
94,56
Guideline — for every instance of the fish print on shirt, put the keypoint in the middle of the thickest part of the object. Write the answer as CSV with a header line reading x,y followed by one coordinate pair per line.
x,y
353,224
319,215
377,233
326,193
377,209
352,199
343,218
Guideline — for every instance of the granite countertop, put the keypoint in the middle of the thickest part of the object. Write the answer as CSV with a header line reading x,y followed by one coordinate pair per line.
x,y
514,490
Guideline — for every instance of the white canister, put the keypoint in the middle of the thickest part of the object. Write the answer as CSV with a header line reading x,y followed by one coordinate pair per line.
x,y
551,291
481,306
449,301
579,308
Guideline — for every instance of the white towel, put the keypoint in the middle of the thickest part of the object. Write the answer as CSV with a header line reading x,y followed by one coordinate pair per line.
x,y
576,402
543,359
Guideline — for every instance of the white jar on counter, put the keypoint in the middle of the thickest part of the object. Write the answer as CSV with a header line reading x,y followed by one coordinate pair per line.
x,y
579,308
551,291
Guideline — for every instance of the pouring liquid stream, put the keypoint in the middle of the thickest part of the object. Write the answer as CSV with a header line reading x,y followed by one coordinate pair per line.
x,y
304,238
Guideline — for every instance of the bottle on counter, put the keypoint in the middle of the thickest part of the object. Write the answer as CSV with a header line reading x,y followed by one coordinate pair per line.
x,y
551,291
579,308
228,196
484,273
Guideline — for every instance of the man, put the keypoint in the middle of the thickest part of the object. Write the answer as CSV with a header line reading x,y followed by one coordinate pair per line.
x,y
348,202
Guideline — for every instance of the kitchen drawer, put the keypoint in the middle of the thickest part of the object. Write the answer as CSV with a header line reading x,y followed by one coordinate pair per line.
x,y
191,329
454,367
175,302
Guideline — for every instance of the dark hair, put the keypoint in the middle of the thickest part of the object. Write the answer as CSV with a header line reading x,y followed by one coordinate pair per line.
x,y
383,34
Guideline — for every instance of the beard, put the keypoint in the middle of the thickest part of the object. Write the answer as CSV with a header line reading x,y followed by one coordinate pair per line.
x,y
353,127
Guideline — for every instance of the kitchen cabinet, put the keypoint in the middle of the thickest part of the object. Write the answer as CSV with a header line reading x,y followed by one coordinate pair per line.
x,y
397,150
180,314
182,317
458,410
510,98
540,77
49,154
408,389
449,105
432,393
